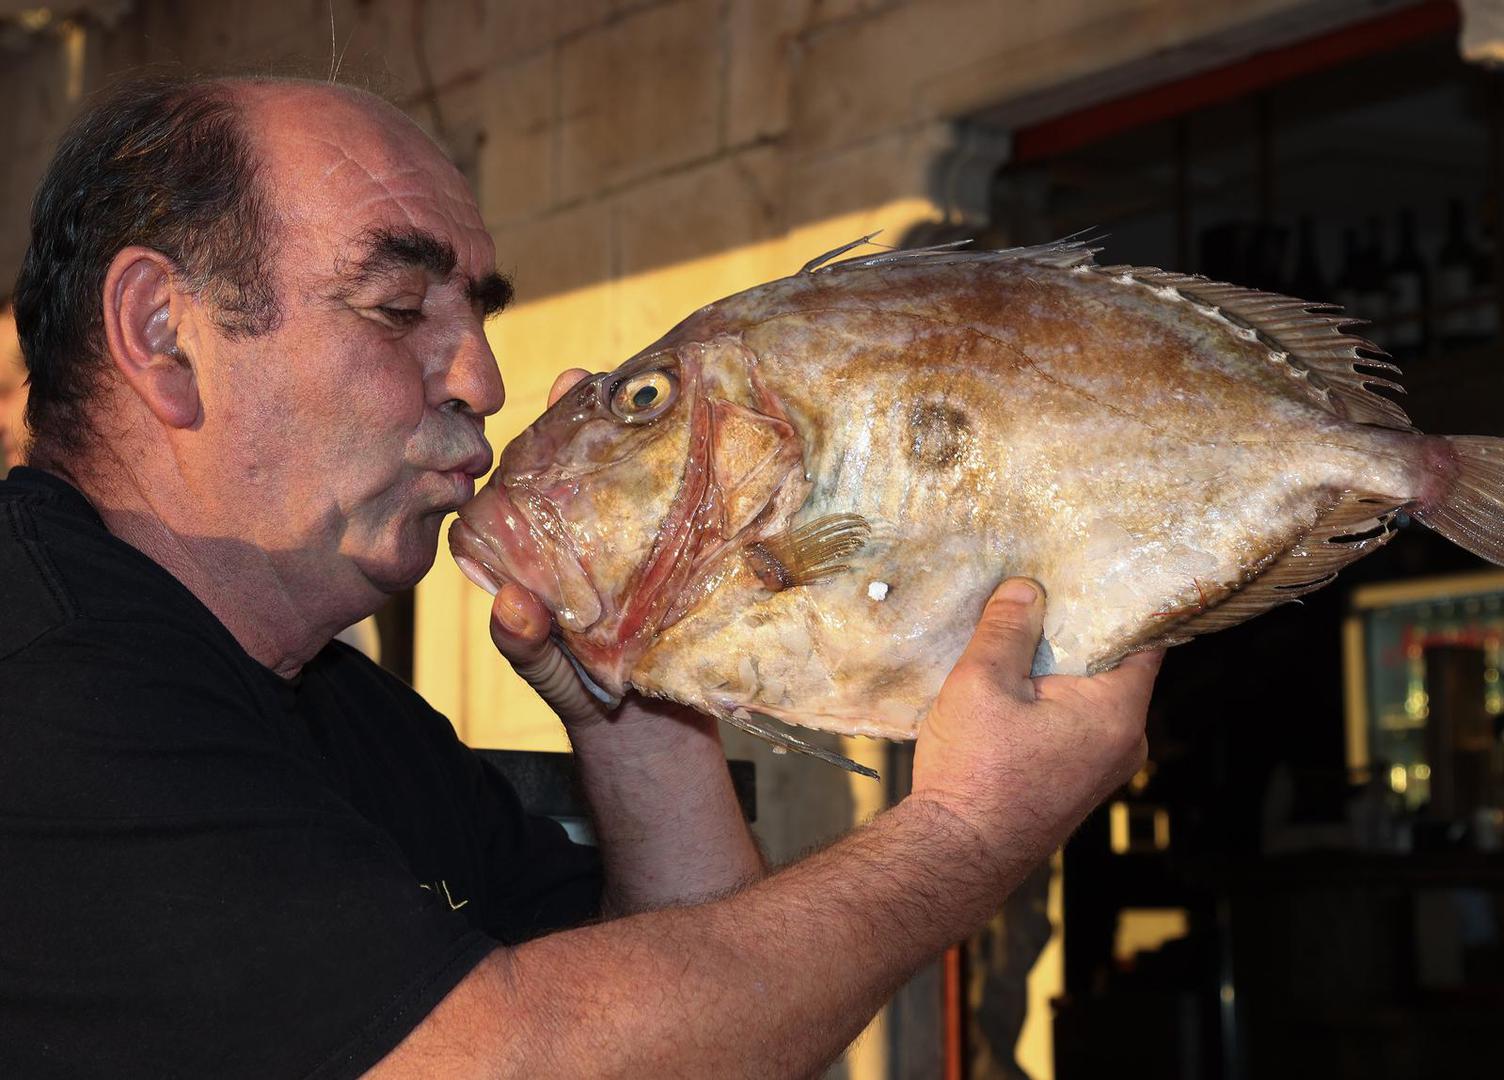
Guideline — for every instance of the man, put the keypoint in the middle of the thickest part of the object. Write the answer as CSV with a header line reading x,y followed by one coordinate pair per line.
x,y
12,391
253,313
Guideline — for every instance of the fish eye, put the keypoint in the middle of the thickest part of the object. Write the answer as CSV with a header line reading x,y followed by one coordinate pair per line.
x,y
644,397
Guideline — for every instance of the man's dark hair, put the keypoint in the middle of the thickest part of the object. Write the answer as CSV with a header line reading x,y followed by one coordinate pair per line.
x,y
160,161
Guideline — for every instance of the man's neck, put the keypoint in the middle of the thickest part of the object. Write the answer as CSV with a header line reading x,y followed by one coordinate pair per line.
x,y
236,580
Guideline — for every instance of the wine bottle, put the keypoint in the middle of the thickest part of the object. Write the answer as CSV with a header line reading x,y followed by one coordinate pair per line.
x,y
1457,324
1345,288
1373,291
1486,311
1408,285
1307,282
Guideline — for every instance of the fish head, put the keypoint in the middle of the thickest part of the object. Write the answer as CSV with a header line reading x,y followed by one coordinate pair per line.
x,y
619,505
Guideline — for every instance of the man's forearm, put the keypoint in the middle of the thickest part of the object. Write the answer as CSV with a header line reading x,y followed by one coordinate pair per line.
x,y
667,819
774,980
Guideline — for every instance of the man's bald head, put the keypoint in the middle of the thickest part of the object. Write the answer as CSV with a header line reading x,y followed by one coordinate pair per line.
x,y
179,166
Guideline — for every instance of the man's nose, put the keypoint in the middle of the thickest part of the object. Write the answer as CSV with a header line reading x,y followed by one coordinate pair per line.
x,y
473,378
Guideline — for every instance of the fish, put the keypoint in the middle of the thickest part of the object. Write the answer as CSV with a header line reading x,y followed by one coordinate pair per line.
x,y
790,510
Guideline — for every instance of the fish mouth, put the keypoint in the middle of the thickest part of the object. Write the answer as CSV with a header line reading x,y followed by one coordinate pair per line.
x,y
522,540
472,557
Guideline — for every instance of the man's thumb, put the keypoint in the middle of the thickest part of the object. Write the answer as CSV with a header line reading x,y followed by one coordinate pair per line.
x,y
1007,635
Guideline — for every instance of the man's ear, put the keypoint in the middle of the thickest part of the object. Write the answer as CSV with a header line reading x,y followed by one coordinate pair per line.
x,y
141,311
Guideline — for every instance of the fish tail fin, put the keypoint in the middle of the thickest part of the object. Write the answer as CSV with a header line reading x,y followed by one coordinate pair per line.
x,y
1468,507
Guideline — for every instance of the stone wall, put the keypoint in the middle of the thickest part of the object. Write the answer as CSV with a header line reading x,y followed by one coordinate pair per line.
x,y
636,159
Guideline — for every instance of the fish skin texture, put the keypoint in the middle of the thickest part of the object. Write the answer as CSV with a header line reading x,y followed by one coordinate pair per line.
x,y
1147,456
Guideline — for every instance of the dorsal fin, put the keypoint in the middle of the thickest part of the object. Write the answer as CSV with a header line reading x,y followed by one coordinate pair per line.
x,y
1068,253
1308,340
1350,528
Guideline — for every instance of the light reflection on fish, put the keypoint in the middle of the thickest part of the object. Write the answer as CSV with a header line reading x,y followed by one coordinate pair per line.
x,y
796,502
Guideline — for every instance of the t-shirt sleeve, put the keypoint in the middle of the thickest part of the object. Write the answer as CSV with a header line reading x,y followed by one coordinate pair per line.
x,y
181,894
564,883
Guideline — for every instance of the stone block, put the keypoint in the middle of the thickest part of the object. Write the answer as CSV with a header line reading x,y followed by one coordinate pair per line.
x,y
235,35
638,96
763,36
374,45
857,80
723,205
563,314
302,23
397,48
860,180
456,119
456,37
685,240
36,95
516,175
766,41
519,27
17,185
566,250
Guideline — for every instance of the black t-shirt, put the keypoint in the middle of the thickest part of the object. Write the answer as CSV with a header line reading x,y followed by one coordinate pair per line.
x,y
207,870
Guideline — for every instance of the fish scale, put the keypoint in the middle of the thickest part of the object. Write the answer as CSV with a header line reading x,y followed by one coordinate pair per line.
x,y
1166,455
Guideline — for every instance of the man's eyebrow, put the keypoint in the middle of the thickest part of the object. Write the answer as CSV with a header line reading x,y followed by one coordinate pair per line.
x,y
490,293
386,250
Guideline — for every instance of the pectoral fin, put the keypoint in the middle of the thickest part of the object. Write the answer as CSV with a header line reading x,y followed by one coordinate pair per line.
x,y
752,724
812,551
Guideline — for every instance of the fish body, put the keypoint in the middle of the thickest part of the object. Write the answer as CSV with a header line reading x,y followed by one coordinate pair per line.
x,y
796,503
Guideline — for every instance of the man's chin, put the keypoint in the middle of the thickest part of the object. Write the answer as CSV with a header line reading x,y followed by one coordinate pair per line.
x,y
402,569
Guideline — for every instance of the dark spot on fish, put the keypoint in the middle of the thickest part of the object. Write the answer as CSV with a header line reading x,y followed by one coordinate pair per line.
x,y
938,434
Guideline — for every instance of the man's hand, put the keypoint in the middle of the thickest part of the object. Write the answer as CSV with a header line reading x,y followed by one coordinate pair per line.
x,y
1000,748
521,628
654,773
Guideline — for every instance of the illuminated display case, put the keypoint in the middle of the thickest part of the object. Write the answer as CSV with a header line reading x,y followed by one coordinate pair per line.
x,y
1388,633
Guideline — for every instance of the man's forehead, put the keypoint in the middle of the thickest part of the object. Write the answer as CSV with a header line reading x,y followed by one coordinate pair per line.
x,y
348,164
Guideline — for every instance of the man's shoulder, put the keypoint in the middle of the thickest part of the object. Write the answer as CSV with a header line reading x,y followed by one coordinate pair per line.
x,y
59,564
343,680
32,593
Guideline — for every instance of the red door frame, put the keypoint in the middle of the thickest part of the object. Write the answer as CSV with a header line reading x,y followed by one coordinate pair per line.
x,y
1260,71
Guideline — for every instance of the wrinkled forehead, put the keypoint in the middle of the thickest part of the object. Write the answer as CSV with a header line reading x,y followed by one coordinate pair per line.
x,y
341,164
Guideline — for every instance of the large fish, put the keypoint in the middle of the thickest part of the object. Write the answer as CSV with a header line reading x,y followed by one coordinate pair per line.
x,y
795,503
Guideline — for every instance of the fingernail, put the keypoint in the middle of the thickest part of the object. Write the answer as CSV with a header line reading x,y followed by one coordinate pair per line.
x,y
1017,591
511,615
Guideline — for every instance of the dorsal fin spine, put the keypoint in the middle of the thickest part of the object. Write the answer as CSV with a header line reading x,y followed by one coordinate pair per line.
x,y
1308,340
1069,253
